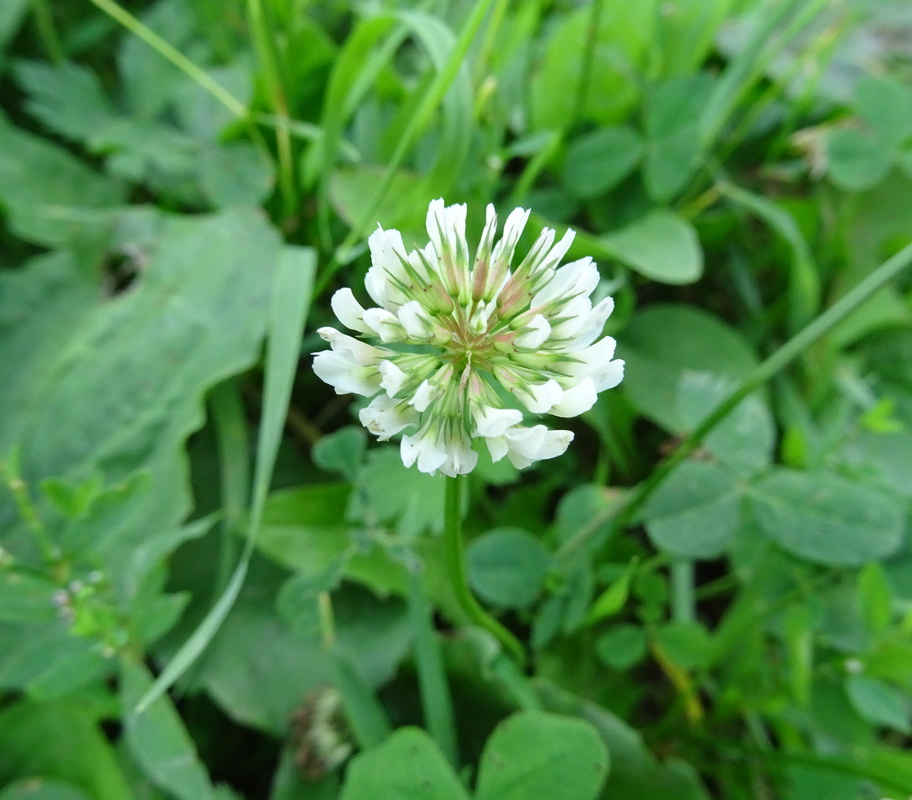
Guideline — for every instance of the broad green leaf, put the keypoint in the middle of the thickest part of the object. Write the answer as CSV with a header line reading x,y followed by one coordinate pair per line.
x,y
671,122
665,341
745,439
686,33
67,98
46,660
47,193
827,519
880,703
695,512
235,174
875,598
539,754
341,451
407,765
622,646
61,740
305,529
41,789
621,40
856,161
885,104
598,161
26,597
661,246
158,740
687,644
507,567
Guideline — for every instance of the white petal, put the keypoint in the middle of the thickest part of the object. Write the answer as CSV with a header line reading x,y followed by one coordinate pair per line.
x,y
385,417
446,226
342,372
423,448
539,398
534,334
386,250
497,447
423,396
493,422
363,354
393,378
348,310
461,458
576,399
573,316
384,324
528,445
417,322
592,326
571,280
590,359
608,376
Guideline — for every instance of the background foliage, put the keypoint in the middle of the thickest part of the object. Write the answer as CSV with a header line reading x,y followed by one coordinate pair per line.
x,y
727,613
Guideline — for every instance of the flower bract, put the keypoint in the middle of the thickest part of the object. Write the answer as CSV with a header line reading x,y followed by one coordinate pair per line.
x,y
461,347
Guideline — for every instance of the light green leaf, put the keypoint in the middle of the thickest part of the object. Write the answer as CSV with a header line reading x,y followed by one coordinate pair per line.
x,y
407,765
62,740
41,789
235,174
687,644
507,567
621,647
855,160
885,104
46,192
341,451
827,519
695,512
598,161
661,246
538,754
745,439
665,341
880,703
158,740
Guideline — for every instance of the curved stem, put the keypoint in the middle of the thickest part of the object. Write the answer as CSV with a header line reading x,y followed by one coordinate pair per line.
x,y
455,561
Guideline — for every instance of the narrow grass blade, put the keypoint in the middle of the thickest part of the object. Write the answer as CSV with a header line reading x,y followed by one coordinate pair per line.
x,y
290,304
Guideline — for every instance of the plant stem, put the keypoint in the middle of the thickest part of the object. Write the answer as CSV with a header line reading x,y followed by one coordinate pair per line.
x,y
455,561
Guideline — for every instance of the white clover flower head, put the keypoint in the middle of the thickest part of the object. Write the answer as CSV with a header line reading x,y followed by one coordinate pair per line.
x,y
457,349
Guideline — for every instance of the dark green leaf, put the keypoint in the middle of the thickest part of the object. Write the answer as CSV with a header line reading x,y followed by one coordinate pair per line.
x,y
507,567
598,161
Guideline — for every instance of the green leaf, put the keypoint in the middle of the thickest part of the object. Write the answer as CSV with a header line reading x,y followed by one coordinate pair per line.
x,y
62,740
408,764
687,644
875,598
46,192
41,789
600,160
880,703
507,567
621,647
67,98
12,12
671,122
342,451
665,341
827,519
855,160
614,598
695,512
235,174
661,246
158,740
538,754
410,499
25,597
885,104
745,439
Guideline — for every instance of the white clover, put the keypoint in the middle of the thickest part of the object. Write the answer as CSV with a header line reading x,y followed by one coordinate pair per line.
x,y
456,351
